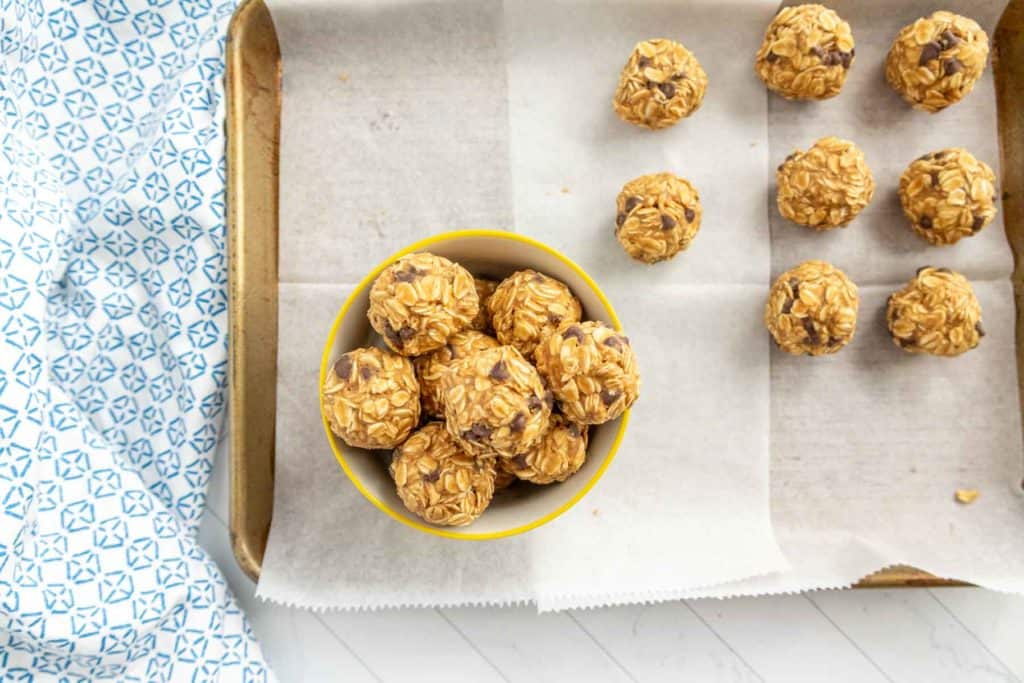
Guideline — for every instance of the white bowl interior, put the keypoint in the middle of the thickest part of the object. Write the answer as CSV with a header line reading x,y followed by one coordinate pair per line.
x,y
492,257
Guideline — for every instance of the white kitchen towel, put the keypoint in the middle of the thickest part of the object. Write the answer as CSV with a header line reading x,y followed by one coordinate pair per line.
x,y
112,343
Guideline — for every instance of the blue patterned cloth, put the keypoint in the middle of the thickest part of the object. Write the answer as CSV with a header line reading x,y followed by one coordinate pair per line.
x,y
113,318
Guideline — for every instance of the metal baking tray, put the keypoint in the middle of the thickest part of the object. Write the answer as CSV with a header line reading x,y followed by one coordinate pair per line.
x,y
253,140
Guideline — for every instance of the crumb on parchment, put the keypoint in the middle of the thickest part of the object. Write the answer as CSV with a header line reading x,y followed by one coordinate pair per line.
x,y
966,496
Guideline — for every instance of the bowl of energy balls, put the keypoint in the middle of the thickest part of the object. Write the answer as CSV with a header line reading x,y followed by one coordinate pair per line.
x,y
476,384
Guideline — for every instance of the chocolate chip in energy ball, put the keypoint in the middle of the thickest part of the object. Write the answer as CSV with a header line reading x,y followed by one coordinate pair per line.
x,y
573,332
977,223
667,89
534,403
925,222
478,432
366,372
343,367
609,396
632,203
392,336
518,423
812,333
407,275
953,66
980,329
499,372
667,222
929,52
837,58
690,214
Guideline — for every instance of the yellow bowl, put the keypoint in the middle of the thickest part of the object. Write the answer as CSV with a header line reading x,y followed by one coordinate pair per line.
x,y
494,254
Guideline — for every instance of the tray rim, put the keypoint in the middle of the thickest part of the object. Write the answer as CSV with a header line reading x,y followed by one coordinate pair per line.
x,y
253,96
252,92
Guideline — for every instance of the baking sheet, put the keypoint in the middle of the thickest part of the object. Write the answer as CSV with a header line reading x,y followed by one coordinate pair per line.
x,y
517,130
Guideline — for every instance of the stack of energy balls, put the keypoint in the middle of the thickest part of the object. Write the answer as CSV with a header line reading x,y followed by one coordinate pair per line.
x,y
483,384
946,195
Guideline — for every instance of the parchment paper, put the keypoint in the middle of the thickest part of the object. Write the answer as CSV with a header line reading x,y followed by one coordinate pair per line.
x,y
869,446
403,119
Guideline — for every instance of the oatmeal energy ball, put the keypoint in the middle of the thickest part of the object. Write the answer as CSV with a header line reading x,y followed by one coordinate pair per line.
x,y
484,289
431,367
527,306
947,195
559,455
421,300
826,186
661,83
592,371
371,398
936,61
806,53
812,309
439,481
658,216
495,403
935,313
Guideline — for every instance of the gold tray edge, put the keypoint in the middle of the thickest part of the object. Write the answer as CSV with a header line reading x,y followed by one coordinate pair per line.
x,y
249,123
252,85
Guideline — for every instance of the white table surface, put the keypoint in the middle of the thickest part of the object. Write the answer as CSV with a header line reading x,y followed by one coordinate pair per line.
x,y
928,635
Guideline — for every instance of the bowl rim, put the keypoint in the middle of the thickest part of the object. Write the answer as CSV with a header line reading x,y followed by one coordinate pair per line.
x,y
325,364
